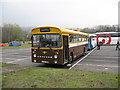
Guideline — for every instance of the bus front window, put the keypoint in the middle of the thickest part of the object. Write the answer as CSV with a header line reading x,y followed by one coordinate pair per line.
x,y
47,40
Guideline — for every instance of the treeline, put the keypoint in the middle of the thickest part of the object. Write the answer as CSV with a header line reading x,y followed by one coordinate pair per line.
x,y
101,28
13,32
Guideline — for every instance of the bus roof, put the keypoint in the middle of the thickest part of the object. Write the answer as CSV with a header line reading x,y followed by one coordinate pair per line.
x,y
92,35
67,31
106,32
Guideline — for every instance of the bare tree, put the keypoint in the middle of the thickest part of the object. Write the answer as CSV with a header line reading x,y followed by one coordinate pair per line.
x,y
11,32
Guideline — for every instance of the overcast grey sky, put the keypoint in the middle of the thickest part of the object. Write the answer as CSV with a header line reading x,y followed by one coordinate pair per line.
x,y
61,13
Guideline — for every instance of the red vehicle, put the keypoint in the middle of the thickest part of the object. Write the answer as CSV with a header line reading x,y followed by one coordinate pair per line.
x,y
3,45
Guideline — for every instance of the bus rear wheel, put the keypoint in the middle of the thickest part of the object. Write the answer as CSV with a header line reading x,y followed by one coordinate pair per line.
x,y
71,57
84,52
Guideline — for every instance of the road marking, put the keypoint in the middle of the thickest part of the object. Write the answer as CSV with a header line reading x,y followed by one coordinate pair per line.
x,y
81,59
116,61
106,68
13,50
8,58
17,60
106,57
98,65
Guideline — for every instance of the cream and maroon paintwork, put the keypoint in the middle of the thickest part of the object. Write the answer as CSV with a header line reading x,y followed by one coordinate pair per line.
x,y
47,55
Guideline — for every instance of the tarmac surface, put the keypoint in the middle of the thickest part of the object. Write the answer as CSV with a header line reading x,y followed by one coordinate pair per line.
x,y
103,60
21,56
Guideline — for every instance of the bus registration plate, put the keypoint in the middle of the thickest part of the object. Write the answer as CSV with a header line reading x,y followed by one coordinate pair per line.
x,y
45,61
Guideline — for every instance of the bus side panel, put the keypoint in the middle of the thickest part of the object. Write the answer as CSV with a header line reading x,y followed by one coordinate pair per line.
x,y
77,51
47,56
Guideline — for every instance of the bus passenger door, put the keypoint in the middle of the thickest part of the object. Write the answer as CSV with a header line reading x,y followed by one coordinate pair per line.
x,y
65,49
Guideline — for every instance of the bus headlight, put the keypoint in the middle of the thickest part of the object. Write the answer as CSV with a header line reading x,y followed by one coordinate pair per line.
x,y
34,50
34,55
55,56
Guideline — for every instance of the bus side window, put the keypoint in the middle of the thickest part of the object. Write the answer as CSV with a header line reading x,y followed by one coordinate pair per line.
x,y
79,38
75,38
71,37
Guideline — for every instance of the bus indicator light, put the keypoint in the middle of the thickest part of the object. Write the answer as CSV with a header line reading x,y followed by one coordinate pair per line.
x,y
56,52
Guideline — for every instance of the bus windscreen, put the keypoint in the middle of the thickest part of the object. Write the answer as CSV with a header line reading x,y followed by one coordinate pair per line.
x,y
47,40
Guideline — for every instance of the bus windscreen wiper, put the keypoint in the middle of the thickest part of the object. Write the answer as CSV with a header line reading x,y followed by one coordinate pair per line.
x,y
50,47
39,47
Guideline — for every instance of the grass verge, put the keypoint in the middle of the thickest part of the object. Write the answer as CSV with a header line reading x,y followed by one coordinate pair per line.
x,y
35,77
6,64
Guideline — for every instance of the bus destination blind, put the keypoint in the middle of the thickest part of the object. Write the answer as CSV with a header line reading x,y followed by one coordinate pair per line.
x,y
45,30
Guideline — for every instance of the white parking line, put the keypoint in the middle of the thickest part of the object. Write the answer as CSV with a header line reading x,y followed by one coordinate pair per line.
x,y
9,58
18,60
116,61
99,65
81,59
14,50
